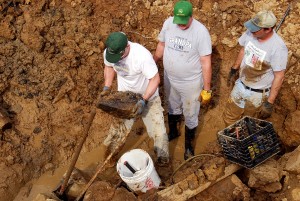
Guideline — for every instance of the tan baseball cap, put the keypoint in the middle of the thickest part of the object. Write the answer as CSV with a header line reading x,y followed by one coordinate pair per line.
x,y
263,19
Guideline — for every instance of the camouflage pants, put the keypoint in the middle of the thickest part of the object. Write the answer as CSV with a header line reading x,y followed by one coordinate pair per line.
x,y
243,102
154,121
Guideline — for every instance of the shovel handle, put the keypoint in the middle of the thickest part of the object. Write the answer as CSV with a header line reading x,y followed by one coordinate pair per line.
x,y
101,168
75,157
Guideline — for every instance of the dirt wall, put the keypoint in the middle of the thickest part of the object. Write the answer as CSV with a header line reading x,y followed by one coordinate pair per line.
x,y
51,72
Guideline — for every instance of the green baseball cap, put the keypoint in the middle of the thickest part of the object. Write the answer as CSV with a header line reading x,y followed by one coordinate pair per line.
x,y
263,19
115,46
183,10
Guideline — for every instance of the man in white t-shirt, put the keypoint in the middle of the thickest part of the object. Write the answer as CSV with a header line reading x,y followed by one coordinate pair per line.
x,y
261,64
136,72
185,46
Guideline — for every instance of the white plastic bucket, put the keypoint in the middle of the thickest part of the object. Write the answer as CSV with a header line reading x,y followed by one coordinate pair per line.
x,y
145,177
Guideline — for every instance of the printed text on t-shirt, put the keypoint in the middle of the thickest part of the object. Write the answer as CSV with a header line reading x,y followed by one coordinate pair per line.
x,y
180,43
253,55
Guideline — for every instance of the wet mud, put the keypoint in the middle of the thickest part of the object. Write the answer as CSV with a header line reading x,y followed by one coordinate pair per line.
x,y
51,75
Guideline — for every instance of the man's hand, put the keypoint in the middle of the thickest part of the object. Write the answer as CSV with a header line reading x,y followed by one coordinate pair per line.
x,y
106,91
139,107
205,97
232,76
266,110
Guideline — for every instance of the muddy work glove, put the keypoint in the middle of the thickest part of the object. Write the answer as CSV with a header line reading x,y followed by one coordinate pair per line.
x,y
266,110
139,107
106,91
205,97
233,74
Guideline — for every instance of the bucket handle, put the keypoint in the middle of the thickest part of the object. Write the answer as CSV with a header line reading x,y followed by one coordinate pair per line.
x,y
129,167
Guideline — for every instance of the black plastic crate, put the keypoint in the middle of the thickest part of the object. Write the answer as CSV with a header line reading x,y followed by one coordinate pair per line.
x,y
249,141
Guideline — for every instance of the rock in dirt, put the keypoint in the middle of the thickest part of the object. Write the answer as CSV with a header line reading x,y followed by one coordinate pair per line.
x,y
183,174
293,130
266,177
121,194
193,182
76,184
44,197
4,119
177,190
119,104
296,194
231,188
214,168
293,163
201,176
99,191
150,195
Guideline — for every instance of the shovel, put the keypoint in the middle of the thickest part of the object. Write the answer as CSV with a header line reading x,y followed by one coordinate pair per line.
x,y
60,190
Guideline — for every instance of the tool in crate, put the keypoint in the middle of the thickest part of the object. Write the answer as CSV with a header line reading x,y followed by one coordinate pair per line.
x,y
249,141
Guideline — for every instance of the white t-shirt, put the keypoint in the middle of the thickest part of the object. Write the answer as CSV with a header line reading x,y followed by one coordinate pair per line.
x,y
261,59
183,49
135,70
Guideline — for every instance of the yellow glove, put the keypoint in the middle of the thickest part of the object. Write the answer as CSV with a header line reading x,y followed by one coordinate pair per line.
x,y
205,96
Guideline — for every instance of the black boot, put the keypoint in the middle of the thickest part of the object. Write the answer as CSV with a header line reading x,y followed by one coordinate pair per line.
x,y
189,137
173,120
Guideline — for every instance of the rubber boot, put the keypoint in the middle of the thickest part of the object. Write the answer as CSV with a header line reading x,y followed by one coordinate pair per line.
x,y
189,137
173,120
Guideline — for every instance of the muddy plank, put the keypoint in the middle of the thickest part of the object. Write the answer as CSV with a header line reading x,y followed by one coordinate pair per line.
x,y
179,192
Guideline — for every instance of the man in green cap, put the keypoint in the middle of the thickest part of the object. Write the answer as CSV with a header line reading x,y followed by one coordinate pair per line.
x,y
185,46
136,72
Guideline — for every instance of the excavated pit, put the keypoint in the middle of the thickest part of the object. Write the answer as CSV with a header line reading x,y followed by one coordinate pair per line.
x,y
51,72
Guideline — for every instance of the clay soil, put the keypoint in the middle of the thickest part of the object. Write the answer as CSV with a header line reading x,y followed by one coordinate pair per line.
x,y
51,72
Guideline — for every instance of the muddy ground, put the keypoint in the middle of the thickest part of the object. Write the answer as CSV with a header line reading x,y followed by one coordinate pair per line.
x,y
51,72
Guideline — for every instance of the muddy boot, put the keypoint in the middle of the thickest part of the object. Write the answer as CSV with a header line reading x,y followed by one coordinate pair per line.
x,y
163,161
189,137
173,120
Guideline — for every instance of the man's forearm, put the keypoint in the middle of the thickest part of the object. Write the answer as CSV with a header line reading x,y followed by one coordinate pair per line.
x,y
206,71
276,85
109,74
152,86
159,51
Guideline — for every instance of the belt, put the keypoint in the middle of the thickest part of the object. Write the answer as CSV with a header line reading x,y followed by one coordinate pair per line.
x,y
256,90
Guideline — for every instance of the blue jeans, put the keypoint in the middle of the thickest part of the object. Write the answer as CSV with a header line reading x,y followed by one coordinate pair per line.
x,y
241,102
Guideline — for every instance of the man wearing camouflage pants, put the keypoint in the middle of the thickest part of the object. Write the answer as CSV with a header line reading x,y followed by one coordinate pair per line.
x,y
262,61
136,72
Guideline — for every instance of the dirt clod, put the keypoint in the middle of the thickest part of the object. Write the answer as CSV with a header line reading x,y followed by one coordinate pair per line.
x,y
121,194
193,182
119,104
99,191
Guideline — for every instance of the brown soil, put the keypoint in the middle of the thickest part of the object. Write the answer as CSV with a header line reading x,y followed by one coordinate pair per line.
x,y
51,72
